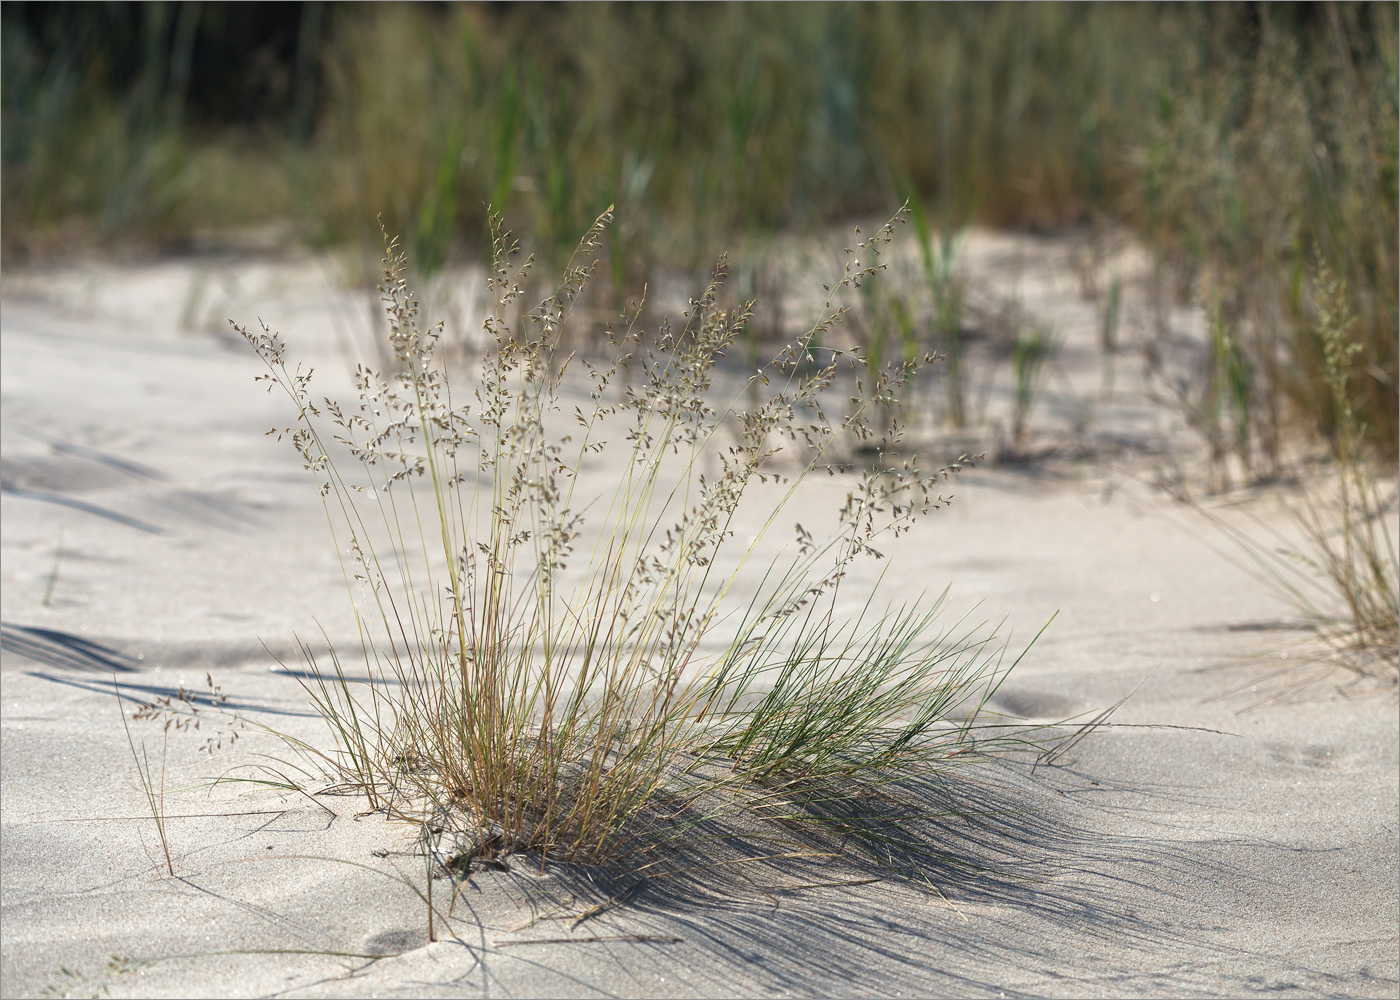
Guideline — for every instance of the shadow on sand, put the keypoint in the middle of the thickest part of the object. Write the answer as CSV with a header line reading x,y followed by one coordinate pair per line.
x,y
970,883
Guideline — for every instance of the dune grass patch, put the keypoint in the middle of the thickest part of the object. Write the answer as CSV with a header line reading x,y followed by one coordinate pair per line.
x,y
570,612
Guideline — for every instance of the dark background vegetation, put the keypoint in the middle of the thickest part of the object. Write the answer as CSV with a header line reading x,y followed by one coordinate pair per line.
x,y
1244,143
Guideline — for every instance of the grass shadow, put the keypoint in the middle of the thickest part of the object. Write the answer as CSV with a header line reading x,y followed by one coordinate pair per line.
x,y
961,880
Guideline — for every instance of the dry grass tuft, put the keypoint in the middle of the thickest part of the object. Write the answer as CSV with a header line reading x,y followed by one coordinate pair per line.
x,y
557,670
1345,576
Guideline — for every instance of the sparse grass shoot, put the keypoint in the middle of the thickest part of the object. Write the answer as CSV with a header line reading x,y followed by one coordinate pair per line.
x,y
1033,343
152,788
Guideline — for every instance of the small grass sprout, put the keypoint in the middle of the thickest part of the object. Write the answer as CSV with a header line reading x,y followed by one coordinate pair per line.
x,y
1033,343
556,667
939,253
1108,334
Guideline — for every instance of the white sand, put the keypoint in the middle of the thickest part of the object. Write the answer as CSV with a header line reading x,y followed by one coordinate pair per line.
x,y
1149,861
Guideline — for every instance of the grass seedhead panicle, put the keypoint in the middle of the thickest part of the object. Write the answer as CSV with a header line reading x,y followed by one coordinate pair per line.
x,y
180,711
548,662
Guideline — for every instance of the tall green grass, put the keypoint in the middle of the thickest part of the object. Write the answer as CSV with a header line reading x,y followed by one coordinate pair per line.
x,y
1236,139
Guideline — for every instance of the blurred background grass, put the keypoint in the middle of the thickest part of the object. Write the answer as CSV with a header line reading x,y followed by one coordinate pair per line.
x,y
1243,143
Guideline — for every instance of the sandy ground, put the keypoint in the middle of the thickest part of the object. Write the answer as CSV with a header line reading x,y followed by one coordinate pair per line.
x,y
151,533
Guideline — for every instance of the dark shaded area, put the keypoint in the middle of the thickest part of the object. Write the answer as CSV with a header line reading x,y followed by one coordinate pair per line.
x,y
139,694
57,473
53,648
209,64
62,649
209,508
87,508
396,942
1034,858
106,458
76,468
216,64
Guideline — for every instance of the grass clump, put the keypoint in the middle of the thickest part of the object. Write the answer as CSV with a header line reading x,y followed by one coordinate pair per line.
x,y
550,664
1361,563
1345,576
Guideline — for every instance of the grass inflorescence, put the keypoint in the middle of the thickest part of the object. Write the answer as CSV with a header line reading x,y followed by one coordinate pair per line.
x,y
554,665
